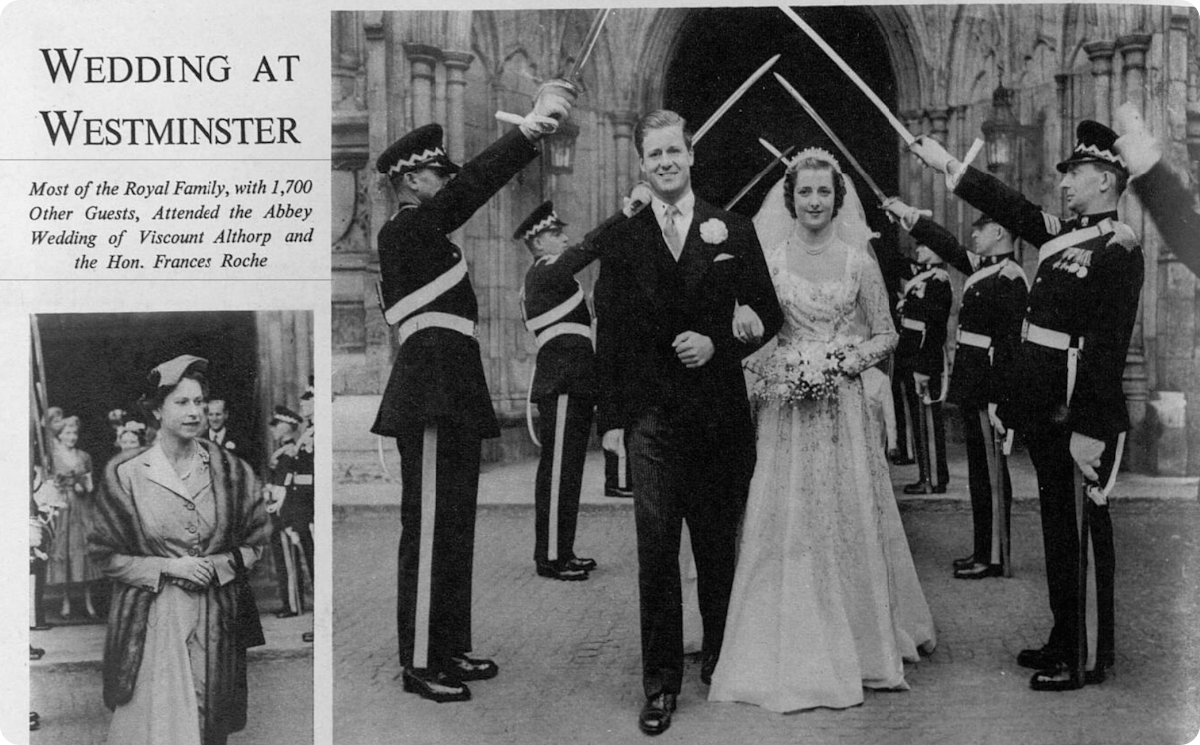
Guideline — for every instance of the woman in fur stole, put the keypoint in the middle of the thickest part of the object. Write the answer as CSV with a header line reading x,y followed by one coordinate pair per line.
x,y
176,528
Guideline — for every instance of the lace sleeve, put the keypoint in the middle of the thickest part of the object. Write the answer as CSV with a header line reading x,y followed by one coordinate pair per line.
x,y
881,337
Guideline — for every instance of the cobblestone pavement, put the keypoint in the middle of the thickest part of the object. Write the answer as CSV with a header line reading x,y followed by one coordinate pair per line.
x,y
68,698
569,652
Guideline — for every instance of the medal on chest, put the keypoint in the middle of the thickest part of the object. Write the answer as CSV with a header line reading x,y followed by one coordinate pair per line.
x,y
1074,261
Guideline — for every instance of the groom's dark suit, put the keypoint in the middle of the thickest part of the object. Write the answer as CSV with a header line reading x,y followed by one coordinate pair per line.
x,y
688,432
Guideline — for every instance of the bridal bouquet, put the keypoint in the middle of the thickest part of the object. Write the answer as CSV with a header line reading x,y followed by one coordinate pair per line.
x,y
807,373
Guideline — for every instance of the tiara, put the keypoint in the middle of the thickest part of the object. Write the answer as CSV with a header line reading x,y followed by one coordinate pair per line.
x,y
817,153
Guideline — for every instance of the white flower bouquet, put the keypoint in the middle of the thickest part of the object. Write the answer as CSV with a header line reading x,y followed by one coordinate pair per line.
x,y
810,372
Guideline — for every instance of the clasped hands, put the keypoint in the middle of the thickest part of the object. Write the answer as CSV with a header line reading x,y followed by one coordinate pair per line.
x,y
195,570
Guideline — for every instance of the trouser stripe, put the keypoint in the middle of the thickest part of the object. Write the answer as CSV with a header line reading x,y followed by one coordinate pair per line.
x,y
931,435
290,545
425,552
560,432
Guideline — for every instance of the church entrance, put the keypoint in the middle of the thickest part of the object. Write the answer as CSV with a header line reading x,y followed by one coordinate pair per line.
x,y
718,48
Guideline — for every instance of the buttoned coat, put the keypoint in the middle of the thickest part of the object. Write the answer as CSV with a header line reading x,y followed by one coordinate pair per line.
x,y
993,304
438,373
1088,291
645,299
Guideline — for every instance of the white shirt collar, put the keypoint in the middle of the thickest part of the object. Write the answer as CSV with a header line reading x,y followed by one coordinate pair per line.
x,y
686,205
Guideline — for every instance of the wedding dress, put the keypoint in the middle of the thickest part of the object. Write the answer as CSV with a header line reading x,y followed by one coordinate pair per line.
x,y
825,599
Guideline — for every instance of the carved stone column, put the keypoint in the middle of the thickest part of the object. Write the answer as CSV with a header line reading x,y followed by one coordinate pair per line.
x,y
623,123
457,64
1133,48
1136,380
1101,54
422,60
377,339
939,126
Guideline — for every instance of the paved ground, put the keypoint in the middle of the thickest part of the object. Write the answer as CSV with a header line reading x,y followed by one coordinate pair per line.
x,y
570,657
65,686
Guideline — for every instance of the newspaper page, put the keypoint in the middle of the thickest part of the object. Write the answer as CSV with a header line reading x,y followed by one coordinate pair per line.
x,y
207,229
167,195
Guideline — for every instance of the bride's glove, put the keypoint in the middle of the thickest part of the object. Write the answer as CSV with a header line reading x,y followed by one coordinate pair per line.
x,y
747,326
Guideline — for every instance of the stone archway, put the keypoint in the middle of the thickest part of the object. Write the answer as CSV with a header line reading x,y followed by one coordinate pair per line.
x,y
713,50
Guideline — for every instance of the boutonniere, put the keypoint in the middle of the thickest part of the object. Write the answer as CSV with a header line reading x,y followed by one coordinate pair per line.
x,y
713,231
229,445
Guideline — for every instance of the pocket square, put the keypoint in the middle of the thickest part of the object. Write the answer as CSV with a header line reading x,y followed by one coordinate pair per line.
x,y
723,257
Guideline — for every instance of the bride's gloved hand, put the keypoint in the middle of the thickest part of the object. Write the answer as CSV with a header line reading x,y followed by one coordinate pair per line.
x,y
747,326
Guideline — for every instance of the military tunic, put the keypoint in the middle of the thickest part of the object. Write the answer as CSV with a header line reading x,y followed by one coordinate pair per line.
x,y
293,470
564,389
924,313
437,395
989,330
1086,296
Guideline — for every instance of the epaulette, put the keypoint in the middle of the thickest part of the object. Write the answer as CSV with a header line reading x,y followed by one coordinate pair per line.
x,y
1013,270
1123,236
940,274
1052,223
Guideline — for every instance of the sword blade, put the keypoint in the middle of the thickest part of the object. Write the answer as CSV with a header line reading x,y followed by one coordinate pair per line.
x,y
729,102
589,43
774,151
761,175
837,59
833,137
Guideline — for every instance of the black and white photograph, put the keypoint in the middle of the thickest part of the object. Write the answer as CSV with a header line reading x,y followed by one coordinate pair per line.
x,y
171,527
715,374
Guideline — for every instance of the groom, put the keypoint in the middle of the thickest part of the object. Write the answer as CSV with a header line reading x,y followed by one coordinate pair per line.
x,y
672,393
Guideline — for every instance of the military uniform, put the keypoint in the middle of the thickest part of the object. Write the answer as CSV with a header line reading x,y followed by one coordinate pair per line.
x,y
989,330
1065,377
924,311
292,477
563,387
436,403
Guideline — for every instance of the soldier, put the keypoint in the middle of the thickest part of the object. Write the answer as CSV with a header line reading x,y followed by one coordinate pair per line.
x,y
1069,406
564,383
286,550
921,363
436,403
989,329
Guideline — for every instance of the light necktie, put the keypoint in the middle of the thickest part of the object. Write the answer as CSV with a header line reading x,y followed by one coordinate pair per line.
x,y
671,231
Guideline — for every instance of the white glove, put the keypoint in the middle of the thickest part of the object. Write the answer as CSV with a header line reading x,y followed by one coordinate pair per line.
x,y
1138,147
931,152
1087,451
614,441
995,420
637,200
551,104
747,326
904,214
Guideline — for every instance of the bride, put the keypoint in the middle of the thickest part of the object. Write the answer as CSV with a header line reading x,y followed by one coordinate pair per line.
x,y
825,600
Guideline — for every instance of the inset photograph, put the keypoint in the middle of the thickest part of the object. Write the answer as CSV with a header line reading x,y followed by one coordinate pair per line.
x,y
171,528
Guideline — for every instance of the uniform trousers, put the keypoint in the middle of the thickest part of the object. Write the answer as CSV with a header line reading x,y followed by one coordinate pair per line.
x,y
445,568
979,478
940,470
1049,449
286,554
556,495
685,467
